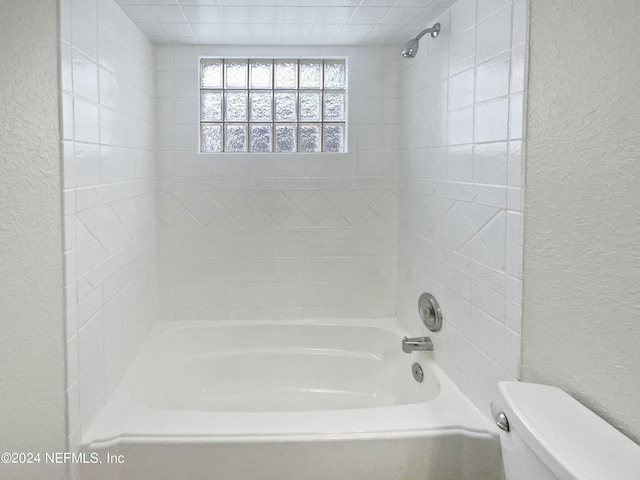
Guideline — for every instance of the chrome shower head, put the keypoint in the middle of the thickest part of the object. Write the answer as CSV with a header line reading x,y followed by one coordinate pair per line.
x,y
410,49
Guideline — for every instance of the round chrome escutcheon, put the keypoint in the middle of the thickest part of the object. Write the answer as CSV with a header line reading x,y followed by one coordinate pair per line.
x,y
416,369
430,312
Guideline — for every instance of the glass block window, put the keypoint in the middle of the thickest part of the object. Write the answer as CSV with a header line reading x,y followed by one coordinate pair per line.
x,y
280,105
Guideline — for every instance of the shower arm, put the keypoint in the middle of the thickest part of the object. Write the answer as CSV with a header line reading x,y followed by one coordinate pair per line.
x,y
435,29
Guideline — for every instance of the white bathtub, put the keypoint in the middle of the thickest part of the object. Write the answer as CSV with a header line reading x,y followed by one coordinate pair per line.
x,y
279,400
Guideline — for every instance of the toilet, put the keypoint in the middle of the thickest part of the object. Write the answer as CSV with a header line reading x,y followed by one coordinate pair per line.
x,y
546,435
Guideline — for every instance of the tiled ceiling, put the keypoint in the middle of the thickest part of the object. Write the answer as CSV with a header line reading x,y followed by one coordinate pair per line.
x,y
283,22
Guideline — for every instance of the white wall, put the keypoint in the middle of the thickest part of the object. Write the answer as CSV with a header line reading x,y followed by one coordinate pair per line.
x,y
459,191
581,316
109,200
264,236
32,417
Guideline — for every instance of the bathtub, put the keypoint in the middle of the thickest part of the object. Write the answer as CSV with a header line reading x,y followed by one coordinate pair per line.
x,y
287,400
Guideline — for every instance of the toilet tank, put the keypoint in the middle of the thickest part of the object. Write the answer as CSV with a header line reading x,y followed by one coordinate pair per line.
x,y
553,436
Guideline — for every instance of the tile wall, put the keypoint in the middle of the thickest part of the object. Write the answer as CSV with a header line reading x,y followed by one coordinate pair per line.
x,y
277,236
109,200
459,233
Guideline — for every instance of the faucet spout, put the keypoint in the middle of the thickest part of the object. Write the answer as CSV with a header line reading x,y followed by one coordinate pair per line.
x,y
421,344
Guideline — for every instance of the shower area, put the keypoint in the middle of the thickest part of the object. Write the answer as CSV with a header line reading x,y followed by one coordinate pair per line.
x,y
194,272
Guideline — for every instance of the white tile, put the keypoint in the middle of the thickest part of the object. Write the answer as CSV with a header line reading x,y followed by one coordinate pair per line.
x,y
186,111
84,36
90,341
461,126
514,228
109,50
517,69
113,316
114,355
87,164
462,52
488,300
519,22
460,163
513,315
108,126
69,169
514,260
512,353
488,335
494,35
65,21
70,255
164,110
66,67
490,162
86,121
515,164
163,58
514,289
463,16
486,8
437,67
492,78
89,306
187,296
461,88
493,236
73,406
110,15
185,84
460,283
72,359
110,165
186,138
164,137
491,121
68,119
514,199
186,59
515,117
108,88
91,387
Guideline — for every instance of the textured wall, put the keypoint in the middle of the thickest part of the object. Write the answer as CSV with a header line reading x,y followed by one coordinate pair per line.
x,y
109,200
32,417
459,191
266,236
581,313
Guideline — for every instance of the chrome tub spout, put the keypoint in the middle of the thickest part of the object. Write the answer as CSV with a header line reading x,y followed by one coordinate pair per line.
x,y
421,344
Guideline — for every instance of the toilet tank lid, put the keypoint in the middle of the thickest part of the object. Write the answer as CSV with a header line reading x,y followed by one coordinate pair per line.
x,y
574,442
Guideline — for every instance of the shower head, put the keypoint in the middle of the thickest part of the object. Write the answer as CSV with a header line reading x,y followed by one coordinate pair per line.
x,y
410,49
